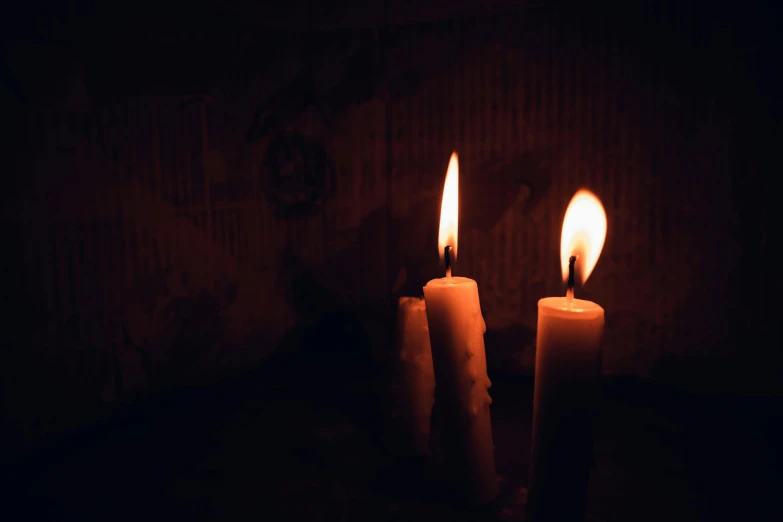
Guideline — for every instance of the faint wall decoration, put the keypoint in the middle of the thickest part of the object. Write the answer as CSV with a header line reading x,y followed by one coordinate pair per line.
x,y
297,175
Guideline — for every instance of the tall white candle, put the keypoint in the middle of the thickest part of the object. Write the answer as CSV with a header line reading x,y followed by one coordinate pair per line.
x,y
568,359
457,339
417,376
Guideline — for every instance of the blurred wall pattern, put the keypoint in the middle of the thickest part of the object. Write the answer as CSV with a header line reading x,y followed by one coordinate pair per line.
x,y
180,204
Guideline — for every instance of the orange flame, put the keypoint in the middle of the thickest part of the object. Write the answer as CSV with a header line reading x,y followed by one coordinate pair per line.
x,y
449,210
584,233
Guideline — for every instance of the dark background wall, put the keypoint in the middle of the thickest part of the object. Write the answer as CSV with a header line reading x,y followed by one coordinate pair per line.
x,y
188,191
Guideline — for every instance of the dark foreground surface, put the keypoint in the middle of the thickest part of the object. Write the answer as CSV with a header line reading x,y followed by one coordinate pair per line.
x,y
298,440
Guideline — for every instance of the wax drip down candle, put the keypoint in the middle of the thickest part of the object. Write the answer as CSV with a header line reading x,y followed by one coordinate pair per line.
x,y
568,367
417,377
461,382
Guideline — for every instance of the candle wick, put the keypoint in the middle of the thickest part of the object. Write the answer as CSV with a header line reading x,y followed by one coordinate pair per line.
x,y
447,259
570,289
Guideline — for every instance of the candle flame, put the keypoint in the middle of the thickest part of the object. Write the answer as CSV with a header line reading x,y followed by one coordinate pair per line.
x,y
449,210
584,233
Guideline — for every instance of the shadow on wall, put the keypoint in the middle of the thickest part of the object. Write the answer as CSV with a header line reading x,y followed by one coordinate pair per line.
x,y
326,356
340,350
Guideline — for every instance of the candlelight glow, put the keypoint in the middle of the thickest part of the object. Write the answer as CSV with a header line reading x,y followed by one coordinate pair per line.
x,y
449,210
584,233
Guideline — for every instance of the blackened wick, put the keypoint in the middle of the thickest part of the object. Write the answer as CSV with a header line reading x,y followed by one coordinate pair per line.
x,y
571,262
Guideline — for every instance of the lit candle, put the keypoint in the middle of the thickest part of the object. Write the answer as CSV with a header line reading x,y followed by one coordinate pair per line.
x,y
417,377
568,359
457,339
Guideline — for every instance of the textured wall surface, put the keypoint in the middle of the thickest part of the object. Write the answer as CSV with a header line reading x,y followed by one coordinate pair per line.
x,y
172,234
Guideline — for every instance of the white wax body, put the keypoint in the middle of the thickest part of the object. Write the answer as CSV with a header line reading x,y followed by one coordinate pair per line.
x,y
568,365
457,339
417,376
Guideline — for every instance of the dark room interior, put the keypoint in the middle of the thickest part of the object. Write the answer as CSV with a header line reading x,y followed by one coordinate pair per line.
x,y
212,211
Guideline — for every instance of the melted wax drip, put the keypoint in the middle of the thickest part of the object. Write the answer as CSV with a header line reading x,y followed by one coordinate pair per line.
x,y
484,399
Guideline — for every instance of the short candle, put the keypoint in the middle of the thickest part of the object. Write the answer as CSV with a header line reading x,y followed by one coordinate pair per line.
x,y
417,387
